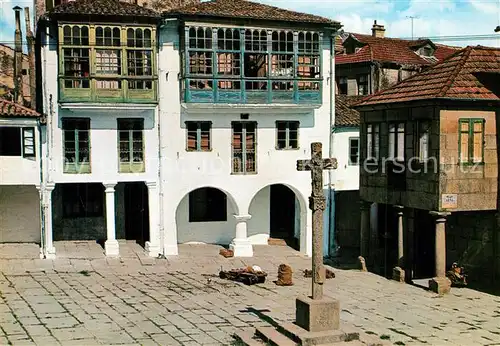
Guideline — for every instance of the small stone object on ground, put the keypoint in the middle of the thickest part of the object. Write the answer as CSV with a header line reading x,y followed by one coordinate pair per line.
x,y
457,276
284,275
362,264
329,274
248,275
226,253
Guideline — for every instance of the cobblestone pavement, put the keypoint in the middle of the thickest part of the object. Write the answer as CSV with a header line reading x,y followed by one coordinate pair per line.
x,y
83,298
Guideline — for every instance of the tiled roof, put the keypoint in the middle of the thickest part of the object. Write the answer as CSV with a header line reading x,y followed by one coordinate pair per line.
x,y
248,10
111,8
392,50
457,77
11,109
345,116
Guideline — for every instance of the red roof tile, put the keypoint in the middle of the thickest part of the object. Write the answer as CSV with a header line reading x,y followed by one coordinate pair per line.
x,y
391,50
101,8
345,116
457,77
248,10
11,109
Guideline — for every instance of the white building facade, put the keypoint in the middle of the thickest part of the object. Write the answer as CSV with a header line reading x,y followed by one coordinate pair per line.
x,y
185,129
20,141
251,96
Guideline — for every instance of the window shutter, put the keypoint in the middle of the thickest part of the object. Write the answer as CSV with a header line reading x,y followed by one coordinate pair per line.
x,y
28,142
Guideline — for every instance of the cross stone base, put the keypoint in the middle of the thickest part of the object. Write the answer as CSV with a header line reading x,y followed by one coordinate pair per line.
x,y
440,285
398,274
317,315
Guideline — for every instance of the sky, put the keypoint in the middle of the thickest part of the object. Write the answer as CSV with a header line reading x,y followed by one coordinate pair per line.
x,y
437,19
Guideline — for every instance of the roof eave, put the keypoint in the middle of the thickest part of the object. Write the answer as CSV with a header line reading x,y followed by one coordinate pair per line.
x,y
333,25
425,101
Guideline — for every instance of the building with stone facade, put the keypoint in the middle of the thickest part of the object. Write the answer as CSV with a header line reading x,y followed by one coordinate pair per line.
x,y
182,128
430,161
20,157
365,64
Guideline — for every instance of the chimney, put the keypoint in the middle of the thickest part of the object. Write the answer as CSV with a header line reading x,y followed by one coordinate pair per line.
x,y
18,58
31,57
378,30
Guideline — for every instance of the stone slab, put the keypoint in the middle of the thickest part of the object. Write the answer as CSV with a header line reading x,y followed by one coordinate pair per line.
x,y
273,336
317,315
440,285
307,338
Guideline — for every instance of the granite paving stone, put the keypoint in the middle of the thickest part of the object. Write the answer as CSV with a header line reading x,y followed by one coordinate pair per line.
x,y
135,300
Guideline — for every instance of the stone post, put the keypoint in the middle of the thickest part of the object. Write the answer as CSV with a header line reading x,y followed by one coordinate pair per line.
x,y
398,272
440,283
365,229
241,244
48,249
111,247
152,246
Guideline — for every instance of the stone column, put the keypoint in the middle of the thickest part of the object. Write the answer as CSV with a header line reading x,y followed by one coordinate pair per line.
x,y
398,272
111,247
440,283
365,229
152,246
241,244
48,249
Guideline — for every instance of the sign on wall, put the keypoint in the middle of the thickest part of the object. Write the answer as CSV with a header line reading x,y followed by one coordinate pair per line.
x,y
449,201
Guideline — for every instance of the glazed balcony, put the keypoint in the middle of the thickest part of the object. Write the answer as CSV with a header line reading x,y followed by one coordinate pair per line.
x,y
112,90
252,91
107,63
251,66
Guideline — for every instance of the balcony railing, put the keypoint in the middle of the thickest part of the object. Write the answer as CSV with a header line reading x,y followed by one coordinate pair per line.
x,y
125,90
255,91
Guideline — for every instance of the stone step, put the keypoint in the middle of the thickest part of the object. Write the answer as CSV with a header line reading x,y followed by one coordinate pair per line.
x,y
306,338
274,337
248,338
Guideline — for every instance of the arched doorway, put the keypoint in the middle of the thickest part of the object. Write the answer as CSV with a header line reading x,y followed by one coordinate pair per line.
x,y
276,217
206,215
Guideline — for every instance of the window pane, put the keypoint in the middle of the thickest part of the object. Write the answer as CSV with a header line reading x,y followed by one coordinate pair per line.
x,y
392,143
464,147
478,146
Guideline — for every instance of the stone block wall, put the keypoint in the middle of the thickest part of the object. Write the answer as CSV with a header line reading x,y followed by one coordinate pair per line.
x,y
347,219
470,240
475,185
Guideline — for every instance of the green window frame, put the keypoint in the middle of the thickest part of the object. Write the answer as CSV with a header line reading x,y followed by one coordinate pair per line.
x,y
287,135
131,145
198,135
76,144
244,147
105,57
471,140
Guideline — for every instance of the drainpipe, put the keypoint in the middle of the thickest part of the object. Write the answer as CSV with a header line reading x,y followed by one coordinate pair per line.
x,y
160,160
42,192
331,205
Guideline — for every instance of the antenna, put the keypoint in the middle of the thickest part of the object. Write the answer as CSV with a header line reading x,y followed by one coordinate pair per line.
x,y
412,18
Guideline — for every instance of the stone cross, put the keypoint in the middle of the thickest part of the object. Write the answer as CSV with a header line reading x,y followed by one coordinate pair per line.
x,y
317,203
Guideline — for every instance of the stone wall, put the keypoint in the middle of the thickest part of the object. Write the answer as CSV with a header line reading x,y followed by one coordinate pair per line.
x,y
422,180
347,219
470,242
476,185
